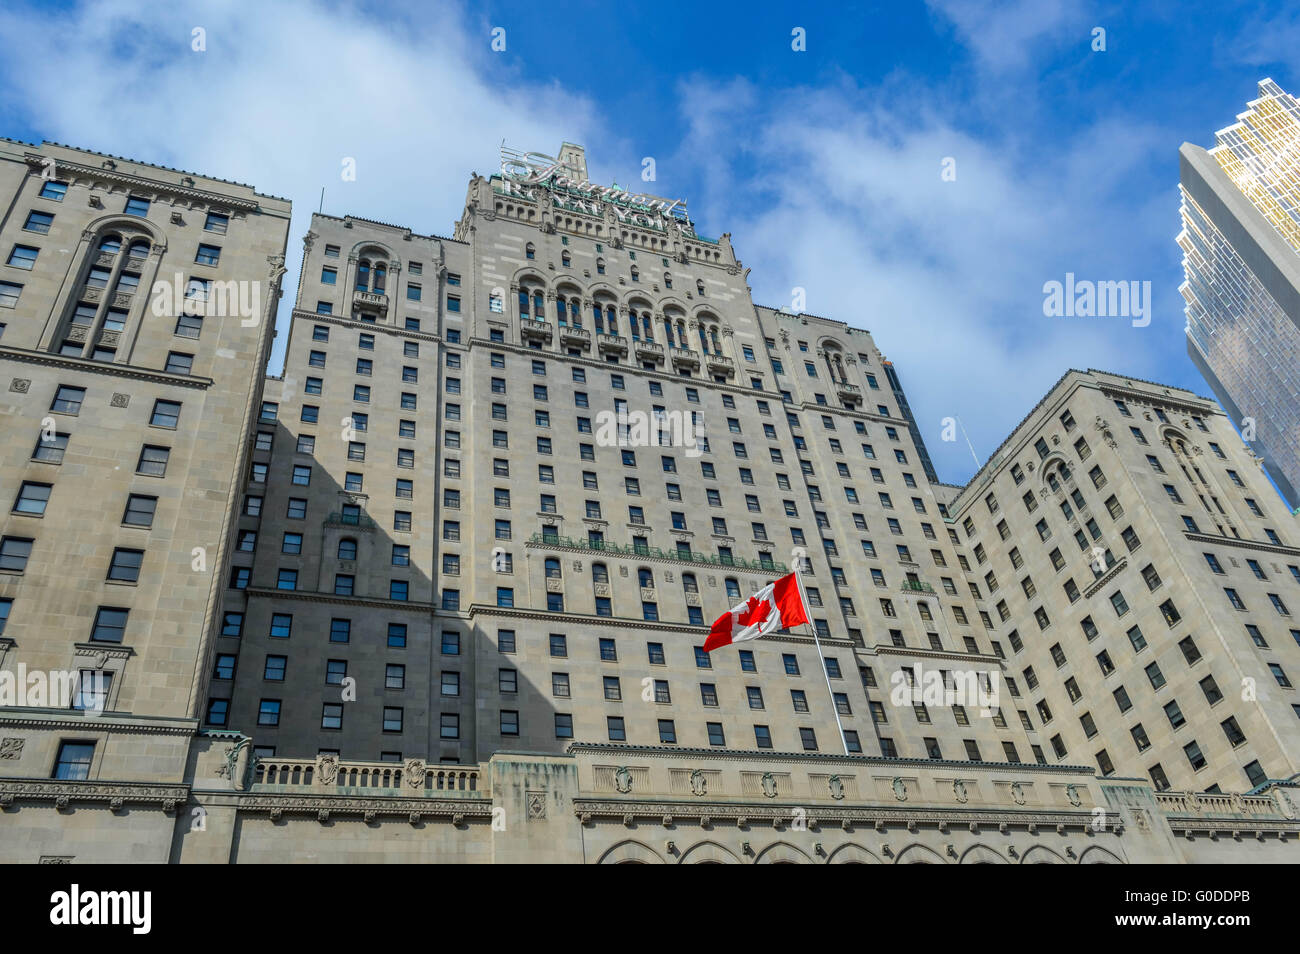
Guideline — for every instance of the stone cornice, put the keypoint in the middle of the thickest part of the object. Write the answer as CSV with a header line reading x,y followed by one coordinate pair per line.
x,y
373,602
764,755
667,812
1260,545
479,341
215,199
1231,826
322,806
889,649
1102,580
847,412
343,322
110,650
46,719
623,622
63,792
103,367
688,565
1112,390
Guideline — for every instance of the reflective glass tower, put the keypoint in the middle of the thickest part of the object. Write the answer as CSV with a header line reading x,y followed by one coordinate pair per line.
x,y
1241,257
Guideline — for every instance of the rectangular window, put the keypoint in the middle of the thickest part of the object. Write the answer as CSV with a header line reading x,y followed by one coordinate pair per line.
x,y
73,760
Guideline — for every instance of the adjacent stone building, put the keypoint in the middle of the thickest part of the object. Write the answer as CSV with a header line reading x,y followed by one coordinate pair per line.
x,y
137,307
479,525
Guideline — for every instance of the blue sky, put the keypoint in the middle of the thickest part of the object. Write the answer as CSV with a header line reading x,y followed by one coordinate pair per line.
x,y
824,165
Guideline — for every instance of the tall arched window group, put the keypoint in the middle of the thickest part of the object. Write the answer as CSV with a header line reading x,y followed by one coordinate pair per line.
x,y
835,364
372,275
103,304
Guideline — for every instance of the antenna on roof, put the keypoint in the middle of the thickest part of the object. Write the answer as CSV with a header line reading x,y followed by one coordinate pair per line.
x,y
321,210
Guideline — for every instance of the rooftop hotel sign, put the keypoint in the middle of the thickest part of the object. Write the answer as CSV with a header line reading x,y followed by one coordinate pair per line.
x,y
522,170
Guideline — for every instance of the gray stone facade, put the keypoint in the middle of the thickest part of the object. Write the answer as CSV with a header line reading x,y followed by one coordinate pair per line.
x,y
461,611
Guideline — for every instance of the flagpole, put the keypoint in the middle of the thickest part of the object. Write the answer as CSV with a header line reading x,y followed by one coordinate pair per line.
x,y
798,578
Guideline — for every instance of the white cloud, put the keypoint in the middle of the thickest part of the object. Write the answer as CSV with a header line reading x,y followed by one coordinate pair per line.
x,y
1005,36
848,203
284,92
836,190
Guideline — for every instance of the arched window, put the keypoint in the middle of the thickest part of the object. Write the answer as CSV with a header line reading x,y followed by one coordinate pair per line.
x,y
94,318
645,578
611,319
733,588
668,280
539,301
599,573
552,568
634,323
347,549
600,266
529,251
363,275
562,312
523,303
636,274
381,270
565,259
575,309
699,287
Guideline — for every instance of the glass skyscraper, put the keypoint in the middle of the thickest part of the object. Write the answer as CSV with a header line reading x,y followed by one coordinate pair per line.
x,y
1241,257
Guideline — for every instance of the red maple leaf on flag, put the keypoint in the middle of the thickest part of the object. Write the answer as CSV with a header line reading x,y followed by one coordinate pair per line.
x,y
755,612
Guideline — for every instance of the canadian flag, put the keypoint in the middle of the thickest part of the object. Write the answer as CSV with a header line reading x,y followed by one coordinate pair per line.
x,y
778,605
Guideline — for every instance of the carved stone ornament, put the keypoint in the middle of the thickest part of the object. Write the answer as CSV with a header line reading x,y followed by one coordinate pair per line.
x,y
536,805
11,748
413,774
327,769
1017,793
622,779
769,785
120,400
699,783
1286,803
20,385
1072,793
959,791
900,788
836,785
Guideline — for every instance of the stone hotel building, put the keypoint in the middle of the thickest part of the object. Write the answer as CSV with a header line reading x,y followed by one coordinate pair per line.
x,y
438,592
